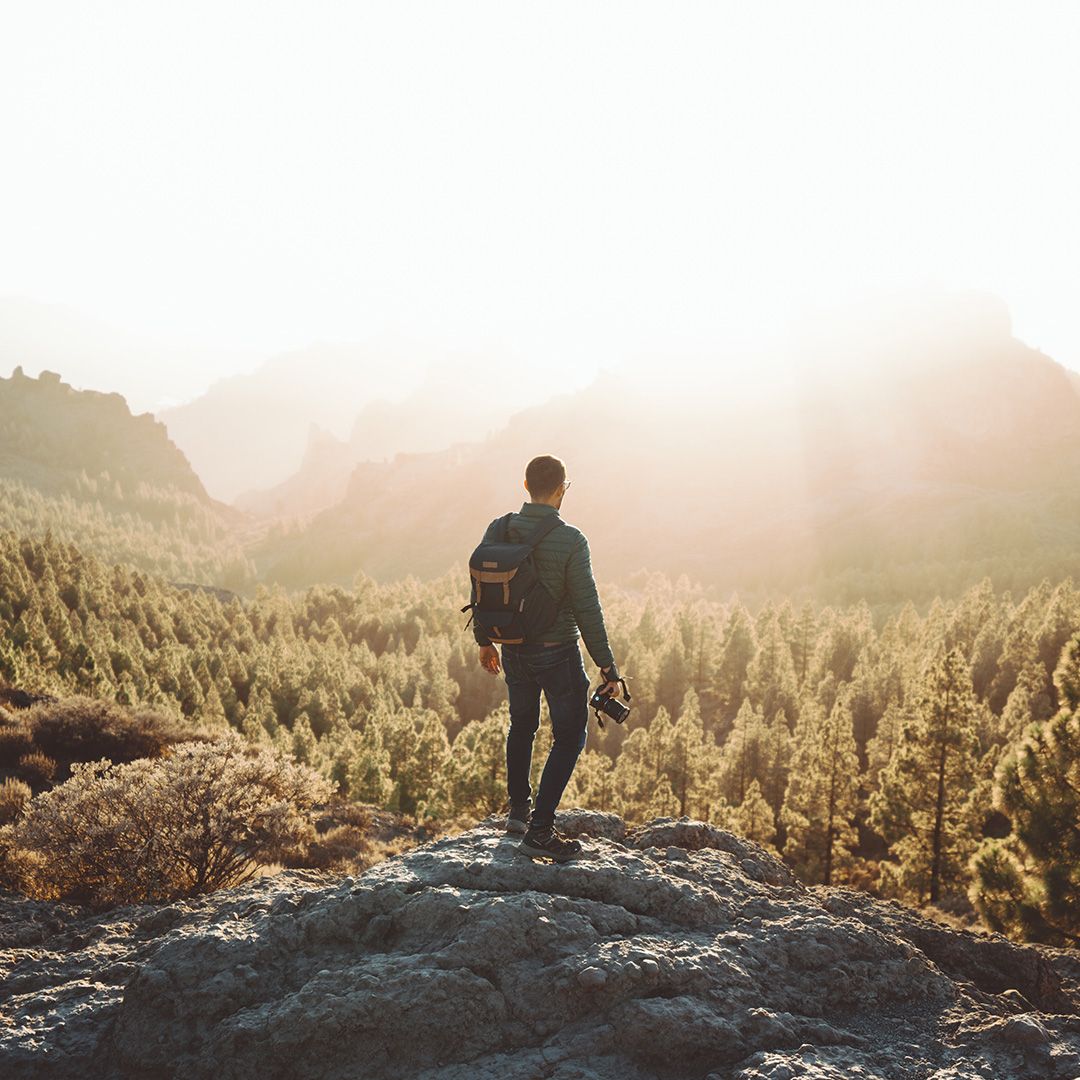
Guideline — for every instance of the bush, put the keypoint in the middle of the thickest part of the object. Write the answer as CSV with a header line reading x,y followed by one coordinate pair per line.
x,y
15,741
203,817
85,729
36,768
338,849
14,795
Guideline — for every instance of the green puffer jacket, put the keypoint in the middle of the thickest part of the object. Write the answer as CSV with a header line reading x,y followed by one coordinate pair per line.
x,y
564,566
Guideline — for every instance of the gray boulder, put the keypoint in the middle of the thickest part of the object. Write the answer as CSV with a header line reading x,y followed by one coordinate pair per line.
x,y
672,951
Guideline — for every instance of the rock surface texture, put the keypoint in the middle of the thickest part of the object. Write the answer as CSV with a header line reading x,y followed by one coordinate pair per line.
x,y
674,951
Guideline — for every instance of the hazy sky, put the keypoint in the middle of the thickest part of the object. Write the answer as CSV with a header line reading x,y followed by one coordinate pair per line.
x,y
573,178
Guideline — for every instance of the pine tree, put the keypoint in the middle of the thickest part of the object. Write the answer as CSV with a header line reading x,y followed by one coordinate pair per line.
x,y
416,776
882,746
770,677
803,641
1028,884
662,801
735,655
641,764
1028,703
823,791
777,764
754,818
592,784
369,771
743,755
691,756
476,771
923,808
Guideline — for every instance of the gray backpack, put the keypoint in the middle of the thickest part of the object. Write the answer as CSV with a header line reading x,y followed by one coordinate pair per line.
x,y
509,602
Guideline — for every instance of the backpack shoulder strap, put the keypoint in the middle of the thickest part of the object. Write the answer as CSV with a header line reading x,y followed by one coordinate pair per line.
x,y
504,528
549,522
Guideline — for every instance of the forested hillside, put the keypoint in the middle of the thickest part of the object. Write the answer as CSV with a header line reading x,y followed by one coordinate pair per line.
x,y
77,462
925,755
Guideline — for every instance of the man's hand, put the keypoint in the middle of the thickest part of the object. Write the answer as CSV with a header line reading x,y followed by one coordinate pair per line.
x,y
489,659
612,687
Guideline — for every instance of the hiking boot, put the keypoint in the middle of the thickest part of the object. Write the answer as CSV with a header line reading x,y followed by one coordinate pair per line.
x,y
517,817
548,844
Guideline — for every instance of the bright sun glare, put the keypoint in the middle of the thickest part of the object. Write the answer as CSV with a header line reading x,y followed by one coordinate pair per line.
x,y
572,180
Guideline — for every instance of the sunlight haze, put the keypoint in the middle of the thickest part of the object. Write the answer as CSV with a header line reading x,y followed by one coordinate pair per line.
x,y
571,182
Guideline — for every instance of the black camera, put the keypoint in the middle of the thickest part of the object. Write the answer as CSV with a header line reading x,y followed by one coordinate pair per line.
x,y
609,704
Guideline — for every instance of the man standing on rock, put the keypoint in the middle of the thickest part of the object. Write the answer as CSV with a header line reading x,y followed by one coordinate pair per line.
x,y
552,665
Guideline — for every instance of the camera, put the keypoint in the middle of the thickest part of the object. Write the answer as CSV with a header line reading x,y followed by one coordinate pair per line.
x,y
609,705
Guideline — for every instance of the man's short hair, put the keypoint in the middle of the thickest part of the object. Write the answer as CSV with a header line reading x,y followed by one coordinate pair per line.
x,y
543,475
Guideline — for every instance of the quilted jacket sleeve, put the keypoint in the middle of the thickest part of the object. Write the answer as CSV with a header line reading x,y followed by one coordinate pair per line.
x,y
585,601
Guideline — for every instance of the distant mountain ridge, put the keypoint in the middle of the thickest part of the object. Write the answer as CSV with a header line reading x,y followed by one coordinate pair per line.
x,y
54,431
923,436
468,402
895,454
250,430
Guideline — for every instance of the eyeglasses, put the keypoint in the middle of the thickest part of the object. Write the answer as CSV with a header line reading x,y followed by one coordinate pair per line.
x,y
565,484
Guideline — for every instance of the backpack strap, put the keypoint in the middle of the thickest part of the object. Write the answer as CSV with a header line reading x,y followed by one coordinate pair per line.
x,y
549,522
504,527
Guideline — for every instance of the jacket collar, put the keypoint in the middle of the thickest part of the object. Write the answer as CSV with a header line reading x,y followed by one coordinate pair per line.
x,y
531,509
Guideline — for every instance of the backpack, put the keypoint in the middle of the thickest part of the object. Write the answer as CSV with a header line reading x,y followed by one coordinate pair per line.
x,y
509,602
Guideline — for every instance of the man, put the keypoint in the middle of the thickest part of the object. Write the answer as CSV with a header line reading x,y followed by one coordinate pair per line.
x,y
552,665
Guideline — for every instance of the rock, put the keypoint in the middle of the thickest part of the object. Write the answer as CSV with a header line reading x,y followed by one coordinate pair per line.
x,y
462,960
590,823
592,977
1025,1030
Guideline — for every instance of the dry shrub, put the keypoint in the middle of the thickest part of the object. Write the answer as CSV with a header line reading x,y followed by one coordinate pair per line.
x,y
337,849
340,812
36,768
203,817
350,837
15,741
86,729
14,795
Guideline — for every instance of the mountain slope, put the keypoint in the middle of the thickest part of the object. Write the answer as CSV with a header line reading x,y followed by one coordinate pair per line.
x,y
465,397
77,462
926,435
250,430
677,951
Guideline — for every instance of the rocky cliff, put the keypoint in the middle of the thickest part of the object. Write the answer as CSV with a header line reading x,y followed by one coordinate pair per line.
x,y
674,951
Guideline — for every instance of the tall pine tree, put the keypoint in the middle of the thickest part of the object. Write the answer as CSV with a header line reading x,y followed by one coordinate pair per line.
x,y
1028,884
923,807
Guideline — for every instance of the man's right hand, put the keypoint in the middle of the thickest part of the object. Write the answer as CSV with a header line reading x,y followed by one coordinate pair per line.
x,y
612,687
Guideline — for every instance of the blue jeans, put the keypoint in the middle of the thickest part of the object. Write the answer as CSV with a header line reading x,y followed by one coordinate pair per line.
x,y
559,672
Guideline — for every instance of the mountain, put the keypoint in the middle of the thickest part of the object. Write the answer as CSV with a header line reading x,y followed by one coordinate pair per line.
x,y
250,431
464,397
673,950
79,463
51,432
893,451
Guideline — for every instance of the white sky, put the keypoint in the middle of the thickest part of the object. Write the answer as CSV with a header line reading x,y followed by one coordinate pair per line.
x,y
572,178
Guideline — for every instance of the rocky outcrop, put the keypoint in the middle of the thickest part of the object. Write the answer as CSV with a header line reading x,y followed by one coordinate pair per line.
x,y
673,951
